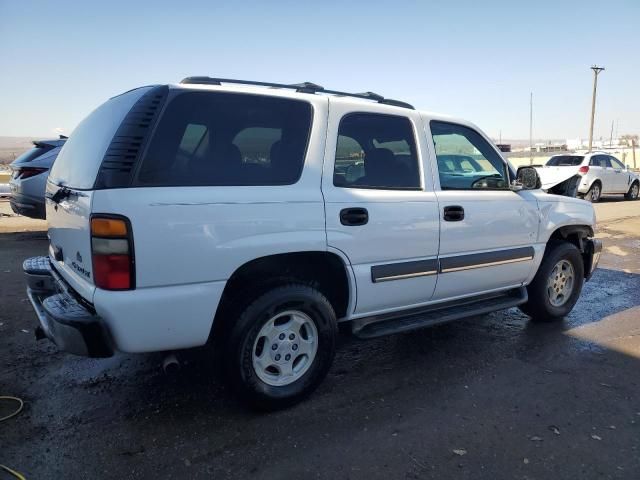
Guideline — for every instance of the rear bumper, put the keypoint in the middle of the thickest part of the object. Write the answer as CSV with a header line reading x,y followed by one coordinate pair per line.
x,y
64,320
592,251
23,205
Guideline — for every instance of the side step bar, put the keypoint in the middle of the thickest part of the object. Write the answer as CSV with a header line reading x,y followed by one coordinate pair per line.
x,y
371,327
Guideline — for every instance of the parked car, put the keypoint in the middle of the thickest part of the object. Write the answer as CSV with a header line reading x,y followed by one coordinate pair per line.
x,y
29,177
589,176
5,190
258,219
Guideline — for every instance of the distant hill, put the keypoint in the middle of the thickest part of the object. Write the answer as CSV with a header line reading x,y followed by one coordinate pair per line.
x,y
12,147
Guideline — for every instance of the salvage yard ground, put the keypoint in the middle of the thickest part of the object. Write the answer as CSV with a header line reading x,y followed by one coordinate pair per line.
x,y
490,397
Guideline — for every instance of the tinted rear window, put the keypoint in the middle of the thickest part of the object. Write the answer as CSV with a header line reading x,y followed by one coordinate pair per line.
x,y
210,139
32,154
565,161
79,160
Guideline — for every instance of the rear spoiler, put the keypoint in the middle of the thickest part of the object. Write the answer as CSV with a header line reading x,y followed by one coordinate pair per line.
x,y
50,143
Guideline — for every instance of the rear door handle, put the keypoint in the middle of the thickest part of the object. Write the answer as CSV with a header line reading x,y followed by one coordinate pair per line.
x,y
352,217
453,213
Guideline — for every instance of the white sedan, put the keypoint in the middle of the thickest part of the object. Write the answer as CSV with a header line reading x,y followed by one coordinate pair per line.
x,y
588,176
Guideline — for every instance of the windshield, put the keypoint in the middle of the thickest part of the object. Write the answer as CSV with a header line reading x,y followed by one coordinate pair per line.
x,y
565,161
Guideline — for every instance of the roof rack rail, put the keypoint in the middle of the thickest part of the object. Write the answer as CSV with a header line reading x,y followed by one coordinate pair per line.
x,y
304,87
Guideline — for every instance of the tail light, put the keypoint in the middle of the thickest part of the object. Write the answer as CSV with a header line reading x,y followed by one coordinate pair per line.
x,y
26,172
584,169
112,252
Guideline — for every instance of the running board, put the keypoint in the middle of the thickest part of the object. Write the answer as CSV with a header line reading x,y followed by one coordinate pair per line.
x,y
397,322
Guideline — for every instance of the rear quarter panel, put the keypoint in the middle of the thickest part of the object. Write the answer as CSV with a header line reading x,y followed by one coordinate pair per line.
x,y
189,240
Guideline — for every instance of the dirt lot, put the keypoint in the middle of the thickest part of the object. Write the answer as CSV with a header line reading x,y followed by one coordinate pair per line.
x,y
514,400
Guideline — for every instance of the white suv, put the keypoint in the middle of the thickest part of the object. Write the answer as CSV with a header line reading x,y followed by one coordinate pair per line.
x,y
256,217
590,176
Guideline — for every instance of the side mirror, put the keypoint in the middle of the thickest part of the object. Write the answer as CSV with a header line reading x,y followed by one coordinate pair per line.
x,y
526,179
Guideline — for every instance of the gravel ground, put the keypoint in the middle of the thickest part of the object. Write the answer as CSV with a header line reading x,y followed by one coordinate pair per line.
x,y
490,397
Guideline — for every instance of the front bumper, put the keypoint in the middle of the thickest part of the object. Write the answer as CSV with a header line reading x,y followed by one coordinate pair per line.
x,y
64,319
592,251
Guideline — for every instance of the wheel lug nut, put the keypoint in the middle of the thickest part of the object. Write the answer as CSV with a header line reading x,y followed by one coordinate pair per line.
x,y
287,357
277,357
294,347
281,337
292,336
274,346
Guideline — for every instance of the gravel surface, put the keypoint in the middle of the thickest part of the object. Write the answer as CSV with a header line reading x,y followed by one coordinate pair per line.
x,y
489,397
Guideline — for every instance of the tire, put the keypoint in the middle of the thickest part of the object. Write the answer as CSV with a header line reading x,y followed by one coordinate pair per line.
x,y
633,192
594,193
251,346
543,304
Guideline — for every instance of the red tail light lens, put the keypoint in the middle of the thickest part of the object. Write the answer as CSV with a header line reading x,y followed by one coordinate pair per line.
x,y
584,169
112,272
26,172
112,252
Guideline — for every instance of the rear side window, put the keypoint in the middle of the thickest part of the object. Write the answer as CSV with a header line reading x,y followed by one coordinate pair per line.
x,y
376,151
213,139
565,161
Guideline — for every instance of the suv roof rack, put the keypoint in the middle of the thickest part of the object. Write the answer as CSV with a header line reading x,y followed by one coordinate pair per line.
x,y
304,87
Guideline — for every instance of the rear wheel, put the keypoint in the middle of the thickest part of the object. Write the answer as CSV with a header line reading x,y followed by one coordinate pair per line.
x,y
281,346
632,194
594,193
557,285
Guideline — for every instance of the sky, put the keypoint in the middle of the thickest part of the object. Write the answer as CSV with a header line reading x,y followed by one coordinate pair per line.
x,y
474,59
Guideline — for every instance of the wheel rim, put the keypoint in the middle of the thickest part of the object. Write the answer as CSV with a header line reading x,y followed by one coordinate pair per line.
x,y
595,192
285,348
634,191
560,284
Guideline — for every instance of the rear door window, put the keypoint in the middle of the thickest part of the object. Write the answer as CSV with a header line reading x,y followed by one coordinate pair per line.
x,y
376,151
211,138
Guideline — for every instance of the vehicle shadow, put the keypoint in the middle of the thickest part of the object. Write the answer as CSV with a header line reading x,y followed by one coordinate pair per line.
x,y
477,382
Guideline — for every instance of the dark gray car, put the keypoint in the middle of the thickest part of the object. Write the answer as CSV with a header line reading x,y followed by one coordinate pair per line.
x,y
29,177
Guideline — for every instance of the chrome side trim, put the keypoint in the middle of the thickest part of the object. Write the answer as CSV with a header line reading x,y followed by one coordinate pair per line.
x,y
488,264
403,270
406,275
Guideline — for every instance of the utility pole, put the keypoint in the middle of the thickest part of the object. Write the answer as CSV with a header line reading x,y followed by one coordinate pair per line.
x,y
611,136
596,72
531,128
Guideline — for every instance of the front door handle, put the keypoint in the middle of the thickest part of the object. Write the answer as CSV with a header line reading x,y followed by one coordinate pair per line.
x,y
453,213
352,217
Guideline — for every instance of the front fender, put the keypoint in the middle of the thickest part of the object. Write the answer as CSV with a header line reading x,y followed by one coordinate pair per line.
x,y
557,212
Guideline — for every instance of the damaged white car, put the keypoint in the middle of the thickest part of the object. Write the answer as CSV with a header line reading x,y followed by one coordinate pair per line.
x,y
588,176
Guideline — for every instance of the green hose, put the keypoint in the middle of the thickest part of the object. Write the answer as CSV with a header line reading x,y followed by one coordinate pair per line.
x,y
20,403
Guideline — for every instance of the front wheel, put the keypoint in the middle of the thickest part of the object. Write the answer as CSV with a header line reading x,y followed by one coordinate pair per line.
x,y
281,346
557,285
